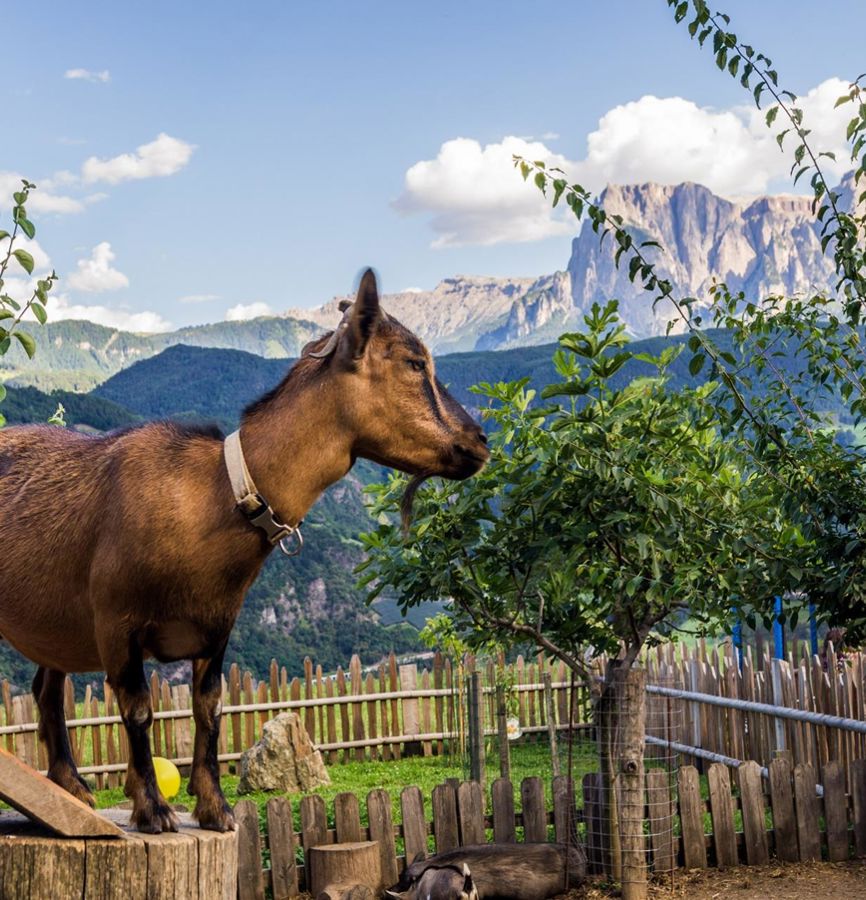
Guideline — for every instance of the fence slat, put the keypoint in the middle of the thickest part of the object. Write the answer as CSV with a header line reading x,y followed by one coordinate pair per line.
x,y
692,818
592,818
503,812
806,806
470,809
414,823
532,807
347,818
251,883
281,841
782,801
658,791
858,789
314,828
724,836
564,812
445,818
835,812
382,830
754,818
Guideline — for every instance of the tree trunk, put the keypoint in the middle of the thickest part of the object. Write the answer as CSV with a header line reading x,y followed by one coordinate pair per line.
x,y
621,719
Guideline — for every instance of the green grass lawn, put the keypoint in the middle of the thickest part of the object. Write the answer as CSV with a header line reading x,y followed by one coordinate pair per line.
x,y
425,772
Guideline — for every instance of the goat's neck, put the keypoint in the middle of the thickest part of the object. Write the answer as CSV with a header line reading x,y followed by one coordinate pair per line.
x,y
295,448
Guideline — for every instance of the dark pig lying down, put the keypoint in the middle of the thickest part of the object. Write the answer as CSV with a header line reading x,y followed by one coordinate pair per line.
x,y
492,872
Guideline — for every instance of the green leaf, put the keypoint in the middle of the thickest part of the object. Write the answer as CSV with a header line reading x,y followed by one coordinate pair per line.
x,y
25,260
26,342
696,363
2,391
772,112
39,312
27,227
3,235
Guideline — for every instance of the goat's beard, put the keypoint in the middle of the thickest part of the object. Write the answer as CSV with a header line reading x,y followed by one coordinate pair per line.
x,y
409,498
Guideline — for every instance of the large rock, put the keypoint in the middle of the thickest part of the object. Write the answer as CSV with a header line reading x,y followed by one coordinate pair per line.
x,y
284,759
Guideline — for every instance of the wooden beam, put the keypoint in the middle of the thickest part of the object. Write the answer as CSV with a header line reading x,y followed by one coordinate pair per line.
x,y
44,802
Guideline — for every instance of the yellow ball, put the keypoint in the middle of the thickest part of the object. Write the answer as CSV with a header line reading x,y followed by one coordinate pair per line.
x,y
167,776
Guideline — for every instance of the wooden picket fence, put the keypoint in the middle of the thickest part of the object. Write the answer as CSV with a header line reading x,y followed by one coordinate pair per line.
x,y
835,687
355,715
747,823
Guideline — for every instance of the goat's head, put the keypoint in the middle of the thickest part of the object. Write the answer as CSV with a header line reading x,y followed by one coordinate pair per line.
x,y
390,398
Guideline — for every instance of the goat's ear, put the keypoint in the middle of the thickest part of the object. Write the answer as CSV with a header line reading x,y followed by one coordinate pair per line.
x,y
468,884
419,857
393,895
363,318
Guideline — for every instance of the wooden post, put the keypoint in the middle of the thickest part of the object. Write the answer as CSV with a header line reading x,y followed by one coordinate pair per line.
x,y
411,718
476,729
502,735
344,864
551,724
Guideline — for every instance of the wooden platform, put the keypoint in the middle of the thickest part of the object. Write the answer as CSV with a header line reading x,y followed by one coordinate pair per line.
x,y
192,864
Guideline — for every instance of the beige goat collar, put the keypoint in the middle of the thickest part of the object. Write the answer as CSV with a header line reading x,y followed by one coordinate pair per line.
x,y
253,505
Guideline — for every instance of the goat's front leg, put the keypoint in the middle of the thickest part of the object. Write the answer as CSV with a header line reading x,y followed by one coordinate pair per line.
x,y
211,809
48,687
150,811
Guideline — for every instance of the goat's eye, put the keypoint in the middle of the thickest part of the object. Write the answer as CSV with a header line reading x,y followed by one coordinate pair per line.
x,y
417,364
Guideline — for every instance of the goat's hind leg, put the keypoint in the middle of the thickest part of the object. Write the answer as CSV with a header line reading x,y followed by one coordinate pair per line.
x,y
211,810
48,688
150,811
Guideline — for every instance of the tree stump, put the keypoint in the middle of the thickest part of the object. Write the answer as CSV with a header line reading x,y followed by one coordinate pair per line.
x,y
343,866
190,863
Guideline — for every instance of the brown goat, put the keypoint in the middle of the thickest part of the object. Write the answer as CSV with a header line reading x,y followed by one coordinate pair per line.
x,y
131,545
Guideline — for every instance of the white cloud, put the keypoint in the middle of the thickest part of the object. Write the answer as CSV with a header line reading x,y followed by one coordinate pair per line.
x,y
41,200
198,298
412,290
60,307
244,311
87,75
163,156
95,273
477,197
731,151
474,196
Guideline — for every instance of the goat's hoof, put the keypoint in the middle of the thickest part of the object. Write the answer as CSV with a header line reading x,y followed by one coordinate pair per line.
x,y
155,819
216,816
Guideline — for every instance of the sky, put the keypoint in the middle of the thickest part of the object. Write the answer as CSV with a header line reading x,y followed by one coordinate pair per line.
x,y
203,161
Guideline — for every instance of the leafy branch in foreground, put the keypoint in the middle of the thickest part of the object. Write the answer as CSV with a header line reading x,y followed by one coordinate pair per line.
x,y
11,310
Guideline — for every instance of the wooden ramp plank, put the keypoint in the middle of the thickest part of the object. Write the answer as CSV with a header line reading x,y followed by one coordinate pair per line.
x,y
44,802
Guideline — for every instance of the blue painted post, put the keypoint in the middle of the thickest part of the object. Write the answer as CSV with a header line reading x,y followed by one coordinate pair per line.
x,y
778,631
813,629
737,635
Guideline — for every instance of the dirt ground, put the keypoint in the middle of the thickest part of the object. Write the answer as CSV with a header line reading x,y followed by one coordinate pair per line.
x,y
827,881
